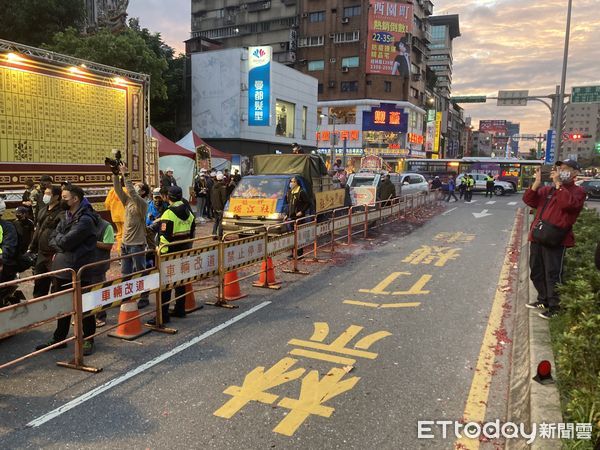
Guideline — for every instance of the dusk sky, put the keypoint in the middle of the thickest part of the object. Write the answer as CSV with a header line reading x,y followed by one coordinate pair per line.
x,y
504,44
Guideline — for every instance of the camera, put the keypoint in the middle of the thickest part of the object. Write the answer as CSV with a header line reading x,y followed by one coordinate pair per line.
x,y
115,162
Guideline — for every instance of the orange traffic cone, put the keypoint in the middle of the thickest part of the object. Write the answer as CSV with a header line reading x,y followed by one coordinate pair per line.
x,y
267,276
132,329
231,289
190,300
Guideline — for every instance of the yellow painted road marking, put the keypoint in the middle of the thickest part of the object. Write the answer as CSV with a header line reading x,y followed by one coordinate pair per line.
x,y
401,305
417,288
476,405
323,356
331,348
383,305
313,393
380,288
357,303
255,384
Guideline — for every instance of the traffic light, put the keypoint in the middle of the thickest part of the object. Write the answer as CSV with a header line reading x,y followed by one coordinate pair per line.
x,y
578,136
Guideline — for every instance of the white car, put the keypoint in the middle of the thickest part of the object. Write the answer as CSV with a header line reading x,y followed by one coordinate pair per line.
x,y
500,187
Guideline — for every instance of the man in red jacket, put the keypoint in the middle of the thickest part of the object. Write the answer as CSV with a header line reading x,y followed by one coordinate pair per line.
x,y
564,203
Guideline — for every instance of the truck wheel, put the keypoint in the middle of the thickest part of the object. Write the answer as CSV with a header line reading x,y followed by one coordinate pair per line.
x,y
498,190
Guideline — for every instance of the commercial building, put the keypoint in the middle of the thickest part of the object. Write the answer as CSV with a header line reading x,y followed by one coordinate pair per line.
x,y
583,117
482,144
243,102
366,55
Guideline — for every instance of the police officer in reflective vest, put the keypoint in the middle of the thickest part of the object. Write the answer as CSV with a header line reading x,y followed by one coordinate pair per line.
x,y
469,189
489,185
177,223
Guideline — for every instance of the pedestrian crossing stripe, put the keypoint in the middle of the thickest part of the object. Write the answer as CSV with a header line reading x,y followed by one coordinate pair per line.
x,y
512,203
490,202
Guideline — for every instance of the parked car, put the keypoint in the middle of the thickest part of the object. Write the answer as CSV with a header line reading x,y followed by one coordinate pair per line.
x,y
500,187
363,185
591,188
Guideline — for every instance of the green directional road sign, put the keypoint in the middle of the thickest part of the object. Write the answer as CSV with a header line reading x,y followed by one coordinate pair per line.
x,y
469,99
585,94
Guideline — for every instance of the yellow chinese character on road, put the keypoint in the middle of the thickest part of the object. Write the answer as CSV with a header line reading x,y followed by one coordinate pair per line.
x,y
255,386
321,330
313,394
452,238
428,254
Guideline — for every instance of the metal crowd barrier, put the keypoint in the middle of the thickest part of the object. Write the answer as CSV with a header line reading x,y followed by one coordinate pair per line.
x,y
205,259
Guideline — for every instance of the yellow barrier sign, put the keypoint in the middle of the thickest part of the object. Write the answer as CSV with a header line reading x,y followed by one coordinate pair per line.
x,y
329,199
252,206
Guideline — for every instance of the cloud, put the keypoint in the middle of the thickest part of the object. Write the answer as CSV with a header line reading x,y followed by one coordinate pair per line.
x,y
515,44
171,19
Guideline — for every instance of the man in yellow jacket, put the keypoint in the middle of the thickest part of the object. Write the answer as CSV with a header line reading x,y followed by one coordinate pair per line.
x,y
117,215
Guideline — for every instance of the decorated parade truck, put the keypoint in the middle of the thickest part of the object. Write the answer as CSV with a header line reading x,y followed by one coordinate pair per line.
x,y
260,199
62,116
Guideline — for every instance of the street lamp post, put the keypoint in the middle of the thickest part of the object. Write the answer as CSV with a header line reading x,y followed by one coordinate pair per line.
x,y
333,139
563,80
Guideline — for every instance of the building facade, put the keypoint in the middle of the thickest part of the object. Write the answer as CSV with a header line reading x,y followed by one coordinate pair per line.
x,y
482,144
229,112
582,118
367,56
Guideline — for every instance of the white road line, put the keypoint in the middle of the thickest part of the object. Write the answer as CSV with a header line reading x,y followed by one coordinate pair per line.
x,y
511,203
115,382
490,202
449,211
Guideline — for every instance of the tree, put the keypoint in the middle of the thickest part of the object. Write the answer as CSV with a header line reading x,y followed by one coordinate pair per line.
x,y
126,50
34,22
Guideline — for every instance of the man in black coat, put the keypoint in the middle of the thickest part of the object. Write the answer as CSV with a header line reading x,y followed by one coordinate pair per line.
x,y
218,198
298,204
74,241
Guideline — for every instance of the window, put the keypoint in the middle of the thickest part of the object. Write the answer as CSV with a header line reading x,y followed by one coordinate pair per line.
x,y
318,64
349,86
414,69
311,41
343,114
414,93
351,61
350,36
285,114
387,86
352,11
317,16
320,88
304,121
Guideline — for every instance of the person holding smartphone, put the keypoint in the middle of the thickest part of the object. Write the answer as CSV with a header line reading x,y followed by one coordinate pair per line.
x,y
559,205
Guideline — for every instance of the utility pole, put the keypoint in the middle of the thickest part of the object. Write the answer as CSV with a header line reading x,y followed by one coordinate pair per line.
x,y
563,80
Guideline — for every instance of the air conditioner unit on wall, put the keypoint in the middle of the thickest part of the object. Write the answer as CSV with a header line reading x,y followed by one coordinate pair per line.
x,y
331,35
332,84
345,20
345,69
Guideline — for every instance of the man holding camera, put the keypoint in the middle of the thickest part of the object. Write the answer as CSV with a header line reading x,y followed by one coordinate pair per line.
x,y
134,226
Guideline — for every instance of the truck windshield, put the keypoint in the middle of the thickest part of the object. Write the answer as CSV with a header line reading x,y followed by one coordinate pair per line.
x,y
362,181
260,188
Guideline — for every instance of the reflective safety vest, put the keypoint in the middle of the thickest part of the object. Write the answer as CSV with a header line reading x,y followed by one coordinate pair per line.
x,y
174,229
470,183
488,178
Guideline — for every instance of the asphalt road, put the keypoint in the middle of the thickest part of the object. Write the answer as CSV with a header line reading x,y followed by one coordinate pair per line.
x,y
353,355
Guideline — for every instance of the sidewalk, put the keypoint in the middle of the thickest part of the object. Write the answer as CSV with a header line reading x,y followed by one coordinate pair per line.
x,y
530,402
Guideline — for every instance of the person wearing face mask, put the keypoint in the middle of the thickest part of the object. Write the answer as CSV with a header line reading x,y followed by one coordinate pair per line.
x,y
298,204
218,198
47,220
559,205
74,241
134,227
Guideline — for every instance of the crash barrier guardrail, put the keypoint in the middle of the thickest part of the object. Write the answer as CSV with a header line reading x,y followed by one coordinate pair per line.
x,y
205,259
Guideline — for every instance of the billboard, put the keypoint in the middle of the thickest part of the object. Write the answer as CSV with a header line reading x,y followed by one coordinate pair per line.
x,y
385,118
438,132
53,117
388,46
259,86
495,127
